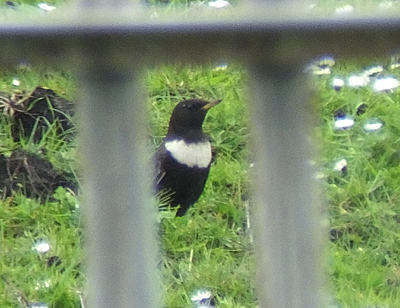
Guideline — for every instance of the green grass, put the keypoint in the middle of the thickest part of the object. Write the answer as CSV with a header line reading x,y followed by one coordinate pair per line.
x,y
212,233
364,204
210,246
194,247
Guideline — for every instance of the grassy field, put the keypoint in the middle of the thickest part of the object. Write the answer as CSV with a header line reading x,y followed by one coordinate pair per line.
x,y
363,202
210,247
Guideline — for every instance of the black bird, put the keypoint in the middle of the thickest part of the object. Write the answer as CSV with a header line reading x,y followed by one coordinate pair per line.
x,y
183,159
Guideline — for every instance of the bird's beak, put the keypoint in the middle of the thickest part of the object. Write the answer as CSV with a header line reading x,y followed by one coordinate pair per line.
x,y
211,104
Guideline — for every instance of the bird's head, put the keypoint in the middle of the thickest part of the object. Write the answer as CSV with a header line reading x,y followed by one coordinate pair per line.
x,y
188,116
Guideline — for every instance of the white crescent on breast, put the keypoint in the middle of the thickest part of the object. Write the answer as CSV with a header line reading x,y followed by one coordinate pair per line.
x,y
190,154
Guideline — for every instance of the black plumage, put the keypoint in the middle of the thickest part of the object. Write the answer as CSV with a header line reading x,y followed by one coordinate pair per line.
x,y
183,159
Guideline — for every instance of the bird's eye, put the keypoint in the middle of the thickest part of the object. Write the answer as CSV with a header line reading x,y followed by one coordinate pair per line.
x,y
189,106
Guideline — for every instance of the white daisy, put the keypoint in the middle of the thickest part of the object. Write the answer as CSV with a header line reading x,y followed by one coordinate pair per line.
x,y
373,125
41,246
219,4
46,7
385,84
342,123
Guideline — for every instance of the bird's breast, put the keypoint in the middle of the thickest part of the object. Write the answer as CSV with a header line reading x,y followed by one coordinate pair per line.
x,y
190,154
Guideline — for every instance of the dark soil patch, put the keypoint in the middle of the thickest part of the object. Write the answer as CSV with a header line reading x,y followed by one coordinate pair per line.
x,y
32,115
34,176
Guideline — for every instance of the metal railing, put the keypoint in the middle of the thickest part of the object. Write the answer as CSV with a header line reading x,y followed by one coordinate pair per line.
x,y
108,45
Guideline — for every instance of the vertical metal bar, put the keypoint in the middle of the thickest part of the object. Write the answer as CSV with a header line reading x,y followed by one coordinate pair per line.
x,y
119,216
288,245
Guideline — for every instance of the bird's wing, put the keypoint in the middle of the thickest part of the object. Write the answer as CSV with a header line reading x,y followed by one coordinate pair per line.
x,y
159,171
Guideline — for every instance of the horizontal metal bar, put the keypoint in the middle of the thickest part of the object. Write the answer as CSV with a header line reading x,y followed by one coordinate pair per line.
x,y
269,36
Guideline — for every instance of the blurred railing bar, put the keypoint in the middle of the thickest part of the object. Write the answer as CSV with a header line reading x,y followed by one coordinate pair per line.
x,y
262,36
119,212
108,54
286,211
287,218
